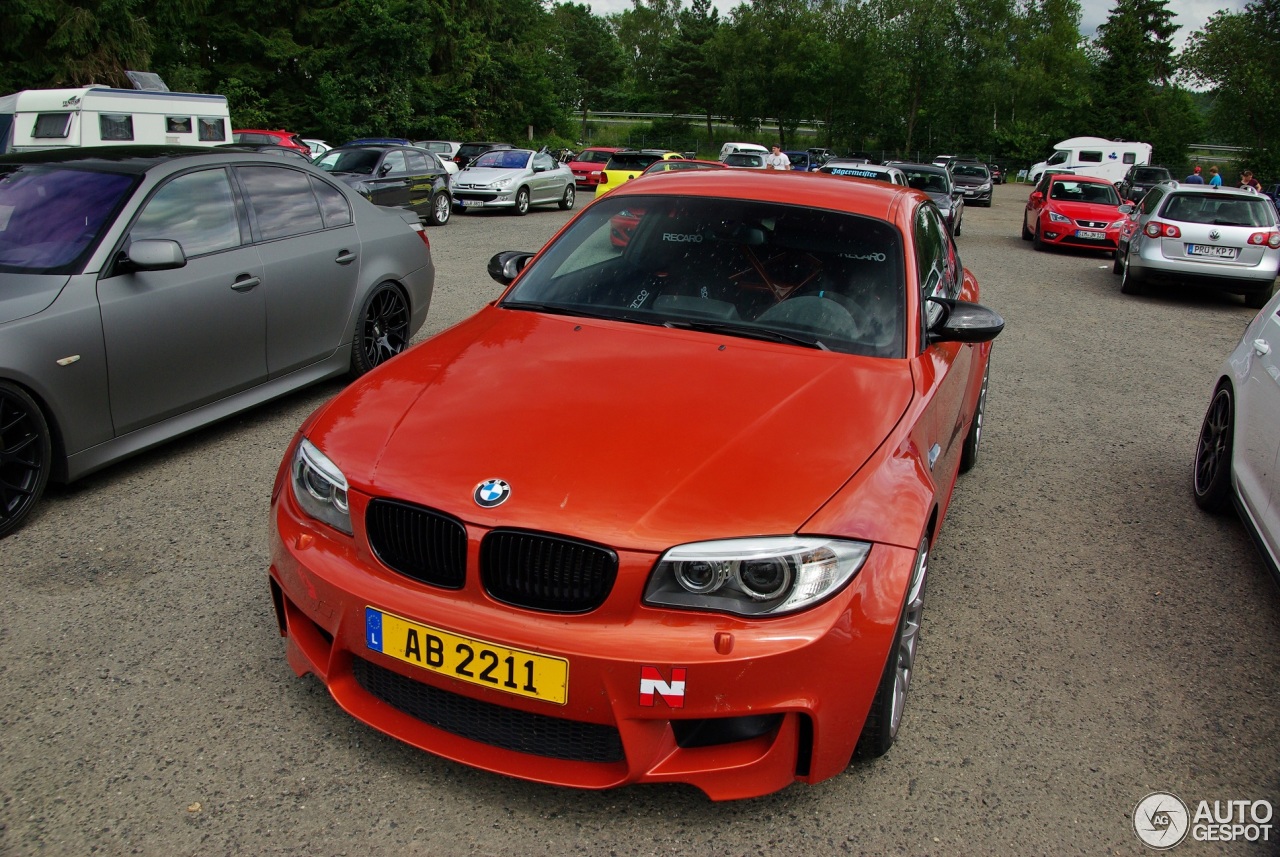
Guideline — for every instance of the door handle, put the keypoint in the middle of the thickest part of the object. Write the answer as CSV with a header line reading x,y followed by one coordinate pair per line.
x,y
1261,347
345,257
245,283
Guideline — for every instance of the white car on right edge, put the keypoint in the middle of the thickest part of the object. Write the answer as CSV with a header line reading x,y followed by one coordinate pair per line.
x,y
1223,238
1238,455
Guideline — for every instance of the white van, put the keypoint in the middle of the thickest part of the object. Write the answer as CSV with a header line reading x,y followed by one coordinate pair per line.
x,y
101,116
1094,156
735,148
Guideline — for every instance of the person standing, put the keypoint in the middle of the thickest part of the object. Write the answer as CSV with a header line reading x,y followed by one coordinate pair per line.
x,y
1215,180
776,160
1195,177
1247,180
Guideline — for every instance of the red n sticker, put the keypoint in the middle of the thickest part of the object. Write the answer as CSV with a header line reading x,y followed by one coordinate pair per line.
x,y
653,684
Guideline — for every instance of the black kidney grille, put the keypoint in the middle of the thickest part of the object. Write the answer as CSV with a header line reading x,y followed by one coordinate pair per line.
x,y
418,543
495,725
544,572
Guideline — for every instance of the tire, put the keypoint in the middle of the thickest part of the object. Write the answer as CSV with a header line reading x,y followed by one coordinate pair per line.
x,y
969,454
959,223
570,196
881,726
1131,282
1211,476
441,208
1258,299
26,455
1026,233
1117,263
382,329
522,202
1036,241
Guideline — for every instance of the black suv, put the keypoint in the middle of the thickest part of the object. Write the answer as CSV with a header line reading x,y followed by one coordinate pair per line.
x,y
1135,184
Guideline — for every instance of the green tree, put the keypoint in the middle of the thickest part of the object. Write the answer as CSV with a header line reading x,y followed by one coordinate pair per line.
x,y
643,33
54,43
590,61
688,78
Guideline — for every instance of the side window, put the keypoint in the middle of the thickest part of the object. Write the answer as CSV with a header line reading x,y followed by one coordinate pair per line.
x,y
1130,157
418,163
933,258
115,126
1152,200
333,205
281,201
1090,157
213,129
544,162
394,164
197,210
52,125
177,124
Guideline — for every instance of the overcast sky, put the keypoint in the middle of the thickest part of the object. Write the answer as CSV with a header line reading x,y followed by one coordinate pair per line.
x,y
1189,14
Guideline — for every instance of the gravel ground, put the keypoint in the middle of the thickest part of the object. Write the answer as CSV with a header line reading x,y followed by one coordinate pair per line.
x,y
1089,635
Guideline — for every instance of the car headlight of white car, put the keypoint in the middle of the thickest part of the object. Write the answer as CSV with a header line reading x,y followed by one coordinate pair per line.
x,y
320,487
1059,218
761,576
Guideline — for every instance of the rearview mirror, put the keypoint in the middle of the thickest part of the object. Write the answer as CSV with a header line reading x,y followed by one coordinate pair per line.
x,y
507,265
155,254
963,321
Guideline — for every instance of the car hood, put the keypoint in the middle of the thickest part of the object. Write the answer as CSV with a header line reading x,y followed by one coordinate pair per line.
x,y
1087,210
970,181
485,175
22,295
635,436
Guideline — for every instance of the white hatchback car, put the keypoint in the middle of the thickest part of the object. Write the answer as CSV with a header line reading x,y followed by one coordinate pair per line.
x,y
1238,455
1222,238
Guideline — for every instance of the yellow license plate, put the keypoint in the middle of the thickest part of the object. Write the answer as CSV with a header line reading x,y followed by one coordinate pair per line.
x,y
467,659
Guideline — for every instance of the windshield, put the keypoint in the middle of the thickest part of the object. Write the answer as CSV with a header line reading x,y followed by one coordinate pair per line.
x,y
804,276
1058,157
596,157
929,181
1092,192
742,159
1219,210
861,171
51,217
973,170
632,160
362,161
503,159
1150,175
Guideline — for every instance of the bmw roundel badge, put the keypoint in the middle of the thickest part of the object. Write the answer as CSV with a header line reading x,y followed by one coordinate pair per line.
x,y
492,492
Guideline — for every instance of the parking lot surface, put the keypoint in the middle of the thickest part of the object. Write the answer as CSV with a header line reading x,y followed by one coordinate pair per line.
x,y
1089,635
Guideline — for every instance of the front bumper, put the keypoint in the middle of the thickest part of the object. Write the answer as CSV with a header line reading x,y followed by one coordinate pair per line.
x,y
471,199
973,196
1058,234
763,703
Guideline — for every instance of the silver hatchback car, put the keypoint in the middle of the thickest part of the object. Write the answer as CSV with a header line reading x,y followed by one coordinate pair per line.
x,y
1222,238
147,291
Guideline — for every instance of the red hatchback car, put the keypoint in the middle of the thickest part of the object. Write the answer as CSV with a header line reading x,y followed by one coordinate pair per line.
x,y
587,164
663,512
271,138
1067,210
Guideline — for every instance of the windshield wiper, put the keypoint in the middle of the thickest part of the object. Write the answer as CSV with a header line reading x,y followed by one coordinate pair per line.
x,y
578,310
746,331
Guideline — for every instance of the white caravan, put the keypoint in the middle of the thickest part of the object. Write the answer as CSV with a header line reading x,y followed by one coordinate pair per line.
x,y
1094,156
101,116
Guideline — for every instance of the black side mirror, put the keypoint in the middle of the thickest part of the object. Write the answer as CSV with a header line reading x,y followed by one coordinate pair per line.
x,y
507,265
962,321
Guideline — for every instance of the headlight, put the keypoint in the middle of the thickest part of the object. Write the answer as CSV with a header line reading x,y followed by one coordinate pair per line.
x,y
1119,224
320,488
1059,218
764,576
984,186
500,184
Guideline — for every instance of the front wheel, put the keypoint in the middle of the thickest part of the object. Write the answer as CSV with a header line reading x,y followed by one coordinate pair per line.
x,y
25,456
566,201
382,330
1131,281
969,454
522,202
1026,233
1036,240
1117,263
881,726
1211,479
441,207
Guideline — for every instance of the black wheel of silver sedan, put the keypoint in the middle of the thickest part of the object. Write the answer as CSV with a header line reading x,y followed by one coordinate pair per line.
x,y
522,202
382,330
25,456
1211,483
881,726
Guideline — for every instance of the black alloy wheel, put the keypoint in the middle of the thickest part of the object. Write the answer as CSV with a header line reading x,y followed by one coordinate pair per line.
x,y
1117,264
1211,479
382,330
25,456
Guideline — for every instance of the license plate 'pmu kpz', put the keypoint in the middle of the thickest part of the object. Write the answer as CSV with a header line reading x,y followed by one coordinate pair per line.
x,y
466,658
1210,250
